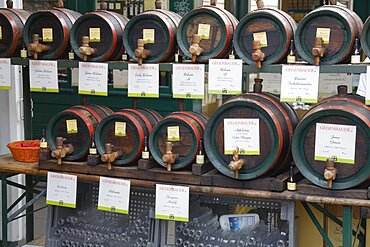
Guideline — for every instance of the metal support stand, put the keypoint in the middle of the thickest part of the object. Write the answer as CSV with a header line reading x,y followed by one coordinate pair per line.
x,y
347,225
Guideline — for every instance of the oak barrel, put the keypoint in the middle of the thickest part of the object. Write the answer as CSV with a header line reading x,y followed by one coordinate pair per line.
x,y
55,24
135,125
341,113
190,127
338,26
85,118
162,26
365,37
263,119
11,33
274,28
219,25
105,30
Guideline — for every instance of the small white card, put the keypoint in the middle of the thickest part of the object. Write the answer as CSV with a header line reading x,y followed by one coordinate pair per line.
x,y
243,133
188,81
61,190
75,77
120,78
172,202
93,78
44,76
335,140
300,83
367,98
143,80
5,74
114,195
329,83
225,76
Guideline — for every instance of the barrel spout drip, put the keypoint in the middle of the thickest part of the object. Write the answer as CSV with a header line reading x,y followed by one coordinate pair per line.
x,y
236,164
35,47
318,51
85,49
257,55
330,172
61,150
109,156
169,157
195,49
140,52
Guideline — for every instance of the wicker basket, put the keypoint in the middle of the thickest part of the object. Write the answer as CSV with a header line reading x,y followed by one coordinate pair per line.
x,y
25,151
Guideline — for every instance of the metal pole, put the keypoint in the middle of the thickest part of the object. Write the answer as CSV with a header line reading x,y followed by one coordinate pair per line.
x,y
4,209
29,210
347,225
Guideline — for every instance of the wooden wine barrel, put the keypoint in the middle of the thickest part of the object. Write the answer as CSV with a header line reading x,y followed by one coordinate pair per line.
x,y
191,127
222,25
164,24
277,121
274,28
59,22
12,23
342,109
365,37
87,119
342,26
107,28
138,124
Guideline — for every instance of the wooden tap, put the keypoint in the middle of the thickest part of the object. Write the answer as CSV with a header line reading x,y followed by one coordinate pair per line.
x,y
109,156
85,49
195,49
260,4
330,172
61,150
169,157
318,51
236,164
257,55
158,4
103,6
9,4
140,52
213,2
35,47
59,4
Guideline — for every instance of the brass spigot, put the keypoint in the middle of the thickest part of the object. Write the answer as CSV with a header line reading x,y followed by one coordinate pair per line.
x,y
140,52
85,49
109,156
195,49
330,172
35,47
318,51
236,164
169,157
257,55
61,150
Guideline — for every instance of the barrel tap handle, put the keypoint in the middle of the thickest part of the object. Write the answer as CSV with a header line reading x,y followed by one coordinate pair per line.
x,y
169,157
257,55
9,4
213,2
85,49
109,156
318,51
140,52
257,87
103,5
260,4
158,4
330,172
35,47
236,164
195,49
59,4
61,150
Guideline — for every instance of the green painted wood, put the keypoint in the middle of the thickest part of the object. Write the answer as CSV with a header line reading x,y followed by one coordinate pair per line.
x,y
81,6
347,225
365,37
362,8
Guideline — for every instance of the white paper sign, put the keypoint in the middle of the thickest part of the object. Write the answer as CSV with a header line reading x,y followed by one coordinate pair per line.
x,y
225,76
93,78
75,77
271,82
172,202
329,83
335,140
367,98
44,76
143,80
243,133
5,74
300,83
114,195
120,78
188,81
61,190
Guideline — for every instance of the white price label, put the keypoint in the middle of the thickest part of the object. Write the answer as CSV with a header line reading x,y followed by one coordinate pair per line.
x,y
114,195
61,190
44,76
368,86
300,83
5,74
143,80
225,76
188,81
93,78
